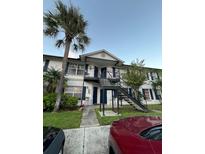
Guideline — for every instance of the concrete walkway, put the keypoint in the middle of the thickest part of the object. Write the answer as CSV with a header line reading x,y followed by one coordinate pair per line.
x,y
91,140
158,111
89,118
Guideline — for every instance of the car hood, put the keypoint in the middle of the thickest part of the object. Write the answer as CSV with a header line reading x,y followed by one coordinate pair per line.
x,y
126,133
137,124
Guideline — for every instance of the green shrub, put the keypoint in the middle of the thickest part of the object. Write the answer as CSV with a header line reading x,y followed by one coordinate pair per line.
x,y
69,102
49,101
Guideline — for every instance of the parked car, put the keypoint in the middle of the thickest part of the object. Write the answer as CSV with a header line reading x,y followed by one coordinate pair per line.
x,y
53,140
141,135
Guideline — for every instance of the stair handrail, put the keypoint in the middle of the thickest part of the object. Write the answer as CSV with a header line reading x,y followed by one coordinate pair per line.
x,y
134,99
119,84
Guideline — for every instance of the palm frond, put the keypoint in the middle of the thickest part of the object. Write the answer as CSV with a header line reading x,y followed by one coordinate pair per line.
x,y
51,26
59,43
75,47
49,31
70,21
81,47
83,38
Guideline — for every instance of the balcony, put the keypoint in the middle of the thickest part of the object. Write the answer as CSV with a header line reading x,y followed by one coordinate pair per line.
x,y
89,77
96,74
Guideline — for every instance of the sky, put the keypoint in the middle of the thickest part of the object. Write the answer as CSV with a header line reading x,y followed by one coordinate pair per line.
x,y
129,29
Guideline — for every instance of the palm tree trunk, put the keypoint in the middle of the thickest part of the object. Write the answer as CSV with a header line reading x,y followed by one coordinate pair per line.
x,y
61,82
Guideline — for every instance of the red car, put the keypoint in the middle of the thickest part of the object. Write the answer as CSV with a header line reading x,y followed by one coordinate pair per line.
x,y
136,135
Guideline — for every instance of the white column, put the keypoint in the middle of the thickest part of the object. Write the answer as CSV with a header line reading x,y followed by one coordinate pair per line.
x,y
153,94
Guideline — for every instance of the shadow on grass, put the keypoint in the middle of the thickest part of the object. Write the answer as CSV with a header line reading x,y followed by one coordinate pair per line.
x,y
125,111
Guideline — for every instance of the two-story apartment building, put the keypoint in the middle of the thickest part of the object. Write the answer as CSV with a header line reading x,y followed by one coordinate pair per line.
x,y
89,74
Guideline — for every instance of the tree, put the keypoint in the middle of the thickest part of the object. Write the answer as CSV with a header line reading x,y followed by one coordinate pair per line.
x,y
135,76
51,79
70,22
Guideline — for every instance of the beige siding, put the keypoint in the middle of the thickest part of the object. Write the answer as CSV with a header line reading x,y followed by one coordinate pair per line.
x,y
103,56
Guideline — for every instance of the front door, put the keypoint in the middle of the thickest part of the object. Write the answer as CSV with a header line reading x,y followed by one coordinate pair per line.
x,y
95,90
103,72
103,97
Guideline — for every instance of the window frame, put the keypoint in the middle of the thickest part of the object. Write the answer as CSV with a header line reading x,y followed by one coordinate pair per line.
x,y
146,134
75,69
74,90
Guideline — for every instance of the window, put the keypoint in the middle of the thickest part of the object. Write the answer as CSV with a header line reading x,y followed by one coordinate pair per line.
x,y
146,94
74,91
75,69
80,70
154,75
157,94
153,133
72,69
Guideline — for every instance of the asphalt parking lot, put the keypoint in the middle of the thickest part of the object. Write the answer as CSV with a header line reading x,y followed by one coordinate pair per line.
x,y
90,140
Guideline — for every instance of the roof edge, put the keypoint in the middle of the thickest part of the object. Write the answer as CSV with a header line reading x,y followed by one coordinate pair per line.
x,y
102,50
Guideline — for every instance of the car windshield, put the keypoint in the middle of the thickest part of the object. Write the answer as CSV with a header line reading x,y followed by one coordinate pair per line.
x,y
153,133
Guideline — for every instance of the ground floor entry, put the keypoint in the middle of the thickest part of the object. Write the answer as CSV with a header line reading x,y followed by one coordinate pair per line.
x,y
95,95
103,96
99,96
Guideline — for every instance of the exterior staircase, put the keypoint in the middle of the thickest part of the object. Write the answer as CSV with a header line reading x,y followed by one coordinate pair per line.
x,y
116,84
131,100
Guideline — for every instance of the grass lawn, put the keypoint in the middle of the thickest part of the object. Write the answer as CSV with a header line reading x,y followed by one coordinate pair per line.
x,y
155,107
63,119
125,111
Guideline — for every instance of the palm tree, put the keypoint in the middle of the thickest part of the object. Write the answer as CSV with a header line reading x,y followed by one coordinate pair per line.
x,y
51,79
69,21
